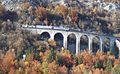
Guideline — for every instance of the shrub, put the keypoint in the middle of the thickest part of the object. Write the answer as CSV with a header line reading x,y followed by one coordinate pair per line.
x,y
62,70
51,55
76,70
109,66
116,70
79,59
45,67
98,64
53,67
97,71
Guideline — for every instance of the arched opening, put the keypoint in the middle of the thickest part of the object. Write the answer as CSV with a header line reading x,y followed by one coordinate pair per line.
x,y
71,40
84,42
59,39
44,36
106,45
95,44
116,47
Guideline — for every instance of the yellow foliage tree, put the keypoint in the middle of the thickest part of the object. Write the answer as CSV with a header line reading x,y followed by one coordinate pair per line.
x,y
61,9
25,6
77,70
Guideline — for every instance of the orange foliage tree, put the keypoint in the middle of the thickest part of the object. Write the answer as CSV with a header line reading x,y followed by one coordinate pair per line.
x,y
62,70
36,68
65,58
87,57
77,70
8,61
97,71
41,13
25,6
74,14
63,11
53,67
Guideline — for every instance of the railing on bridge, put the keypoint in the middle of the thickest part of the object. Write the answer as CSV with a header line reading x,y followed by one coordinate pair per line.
x,y
64,28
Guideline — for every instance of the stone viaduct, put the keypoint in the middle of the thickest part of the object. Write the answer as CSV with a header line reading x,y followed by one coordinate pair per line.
x,y
66,32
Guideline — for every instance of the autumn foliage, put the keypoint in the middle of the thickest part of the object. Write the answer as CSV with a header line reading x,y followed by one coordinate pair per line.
x,y
8,61
44,57
41,12
74,14
62,10
25,6
52,61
